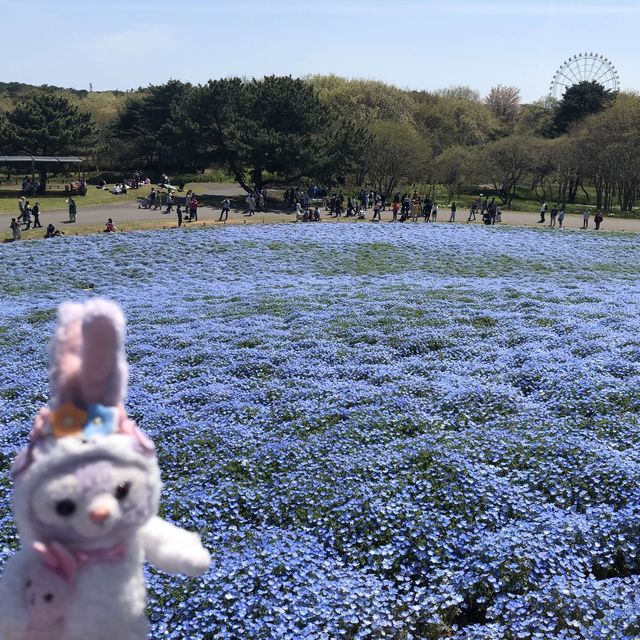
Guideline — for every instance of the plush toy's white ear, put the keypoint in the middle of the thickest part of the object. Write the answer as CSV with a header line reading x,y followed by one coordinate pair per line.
x,y
103,377
87,361
65,356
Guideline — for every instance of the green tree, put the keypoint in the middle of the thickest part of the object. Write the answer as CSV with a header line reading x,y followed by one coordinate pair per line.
x,y
141,128
46,124
556,169
447,121
460,92
580,100
607,146
536,119
396,152
506,162
455,167
276,130
365,100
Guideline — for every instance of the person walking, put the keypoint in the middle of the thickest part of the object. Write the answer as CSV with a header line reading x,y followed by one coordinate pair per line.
x,y
426,210
554,215
169,203
472,211
376,212
434,212
73,210
543,211
585,218
492,211
349,207
226,204
35,212
15,229
21,202
394,209
561,217
452,217
598,218
27,215
179,214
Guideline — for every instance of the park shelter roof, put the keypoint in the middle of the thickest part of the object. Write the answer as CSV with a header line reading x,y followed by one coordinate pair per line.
x,y
36,159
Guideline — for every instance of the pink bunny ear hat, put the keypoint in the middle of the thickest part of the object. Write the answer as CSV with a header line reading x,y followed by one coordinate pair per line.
x,y
86,419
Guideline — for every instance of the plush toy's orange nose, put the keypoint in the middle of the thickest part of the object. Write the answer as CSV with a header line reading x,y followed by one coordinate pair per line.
x,y
99,514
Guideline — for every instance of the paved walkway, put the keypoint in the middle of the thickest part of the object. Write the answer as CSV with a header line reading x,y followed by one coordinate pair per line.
x,y
127,215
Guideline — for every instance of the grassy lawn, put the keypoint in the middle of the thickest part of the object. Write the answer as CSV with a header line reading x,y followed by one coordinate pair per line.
x,y
56,199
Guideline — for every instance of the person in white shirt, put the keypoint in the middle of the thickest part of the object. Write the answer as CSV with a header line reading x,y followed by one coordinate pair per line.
x,y
226,204
251,203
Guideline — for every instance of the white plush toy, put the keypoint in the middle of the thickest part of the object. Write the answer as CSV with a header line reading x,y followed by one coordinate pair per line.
x,y
85,499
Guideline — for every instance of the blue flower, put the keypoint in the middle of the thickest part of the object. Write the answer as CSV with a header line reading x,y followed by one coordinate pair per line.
x,y
101,420
416,432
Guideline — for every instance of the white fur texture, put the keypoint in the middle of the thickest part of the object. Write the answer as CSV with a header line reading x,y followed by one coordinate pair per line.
x,y
47,598
106,598
174,550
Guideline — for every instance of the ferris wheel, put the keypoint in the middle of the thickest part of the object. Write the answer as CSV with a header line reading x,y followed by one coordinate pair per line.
x,y
589,67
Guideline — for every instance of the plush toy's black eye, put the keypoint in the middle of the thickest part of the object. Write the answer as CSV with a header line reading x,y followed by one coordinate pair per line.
x,y
122,490
48,597
65,508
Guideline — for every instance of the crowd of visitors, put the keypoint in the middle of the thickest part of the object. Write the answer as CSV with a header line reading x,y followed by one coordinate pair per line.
x,y
31,186
135,181
28,215
306,204
405,207
256,201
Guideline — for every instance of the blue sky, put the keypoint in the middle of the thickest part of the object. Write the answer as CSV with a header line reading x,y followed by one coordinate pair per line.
x,y
418,44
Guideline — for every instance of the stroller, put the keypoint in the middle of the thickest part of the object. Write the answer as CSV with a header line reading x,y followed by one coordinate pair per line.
x,y
145,203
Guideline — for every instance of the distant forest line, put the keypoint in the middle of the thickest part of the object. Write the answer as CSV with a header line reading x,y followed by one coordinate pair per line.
x,y
326,129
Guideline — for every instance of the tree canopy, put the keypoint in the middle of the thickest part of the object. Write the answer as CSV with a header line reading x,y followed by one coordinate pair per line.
x,y
140,126
46,124
277,129
580,100
504,102
281,130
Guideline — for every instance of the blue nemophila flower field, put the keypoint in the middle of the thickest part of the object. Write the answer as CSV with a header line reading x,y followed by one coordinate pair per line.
x,y
382,431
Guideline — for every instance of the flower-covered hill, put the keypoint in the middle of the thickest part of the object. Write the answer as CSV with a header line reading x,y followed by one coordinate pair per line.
x,y
383,431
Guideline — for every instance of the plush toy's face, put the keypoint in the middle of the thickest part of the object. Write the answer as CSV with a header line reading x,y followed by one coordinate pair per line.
x,y
95,502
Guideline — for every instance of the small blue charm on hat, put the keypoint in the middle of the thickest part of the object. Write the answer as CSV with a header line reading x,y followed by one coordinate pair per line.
x,y
101,420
